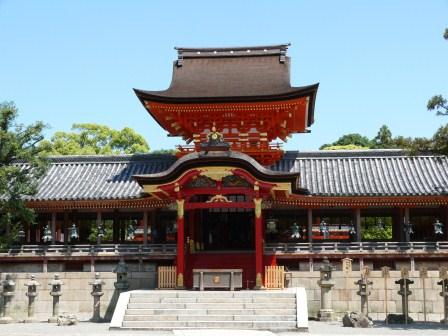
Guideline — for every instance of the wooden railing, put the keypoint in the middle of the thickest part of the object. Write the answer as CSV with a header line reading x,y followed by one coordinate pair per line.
x,y
274,277
103,249
166,277
356,247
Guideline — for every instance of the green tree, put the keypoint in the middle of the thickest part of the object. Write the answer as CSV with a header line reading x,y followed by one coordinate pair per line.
x,y
438,103
343,147
440,140
22,164
94,139
383,139
350,139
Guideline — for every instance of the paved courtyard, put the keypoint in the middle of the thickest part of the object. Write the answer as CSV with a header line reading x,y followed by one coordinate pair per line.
x,y
316,328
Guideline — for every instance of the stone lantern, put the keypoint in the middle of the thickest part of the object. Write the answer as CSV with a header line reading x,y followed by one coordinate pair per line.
x,y
31,293
9,287
55,292
444,293
122,283
326,283
364,292
97,293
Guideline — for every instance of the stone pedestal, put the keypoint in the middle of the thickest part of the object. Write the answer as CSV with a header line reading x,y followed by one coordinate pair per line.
x,y
97,293
8,292
444,295
56,292
326,312
31,294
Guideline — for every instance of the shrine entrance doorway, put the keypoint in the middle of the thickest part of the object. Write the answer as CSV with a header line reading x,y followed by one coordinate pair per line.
x,y
230,229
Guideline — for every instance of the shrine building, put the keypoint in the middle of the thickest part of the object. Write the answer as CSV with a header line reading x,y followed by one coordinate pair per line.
x,y
231,197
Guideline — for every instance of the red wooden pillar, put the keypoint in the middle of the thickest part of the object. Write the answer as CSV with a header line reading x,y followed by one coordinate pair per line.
x,y
180,259
258,243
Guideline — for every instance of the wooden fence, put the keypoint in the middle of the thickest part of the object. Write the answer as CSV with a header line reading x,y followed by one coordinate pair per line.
x,y
274,277
166,277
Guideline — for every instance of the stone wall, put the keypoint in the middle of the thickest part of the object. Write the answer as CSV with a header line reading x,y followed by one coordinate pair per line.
x,y
76,298
76,290
345,298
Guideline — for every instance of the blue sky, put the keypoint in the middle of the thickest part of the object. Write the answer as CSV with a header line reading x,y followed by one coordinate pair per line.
x,y
377,62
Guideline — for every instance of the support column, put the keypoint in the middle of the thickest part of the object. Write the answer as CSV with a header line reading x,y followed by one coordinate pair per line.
x,y
191,230
309,225
98,224
258,244
53,228
180,261
406,219
444,220
116,227
66,227
357,223
145,227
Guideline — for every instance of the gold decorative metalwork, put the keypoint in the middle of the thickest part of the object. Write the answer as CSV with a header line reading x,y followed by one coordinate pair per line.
x,y
216,280
219,198
258,281
257,202
180,280
180,208
216,173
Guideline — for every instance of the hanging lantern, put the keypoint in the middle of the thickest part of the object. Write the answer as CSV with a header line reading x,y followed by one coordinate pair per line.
x,y
271,225
74,235
21,234
438,228
47,237
408,227
130,231
295,231
380,224
100,231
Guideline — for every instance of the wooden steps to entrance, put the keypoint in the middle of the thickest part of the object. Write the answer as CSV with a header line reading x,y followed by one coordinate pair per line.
x,y
175,309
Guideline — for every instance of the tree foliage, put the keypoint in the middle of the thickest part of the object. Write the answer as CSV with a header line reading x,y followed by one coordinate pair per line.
x,y
385,140
22,164
355,139
438,103
91,139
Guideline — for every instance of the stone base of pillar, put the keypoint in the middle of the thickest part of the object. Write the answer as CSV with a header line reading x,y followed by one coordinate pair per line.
x,y
97,320
53,319
325,315
6,320
180,281
258,282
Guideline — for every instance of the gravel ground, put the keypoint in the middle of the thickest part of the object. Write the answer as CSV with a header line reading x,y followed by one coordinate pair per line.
x,y
316,328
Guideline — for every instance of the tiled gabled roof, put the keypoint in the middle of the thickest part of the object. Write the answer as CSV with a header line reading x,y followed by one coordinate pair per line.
x,y
368,173
98,177
323,173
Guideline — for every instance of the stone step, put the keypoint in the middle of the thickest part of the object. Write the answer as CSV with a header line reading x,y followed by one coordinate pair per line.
x,y
212,300
234,312
187,317
265,305
221,294
278,325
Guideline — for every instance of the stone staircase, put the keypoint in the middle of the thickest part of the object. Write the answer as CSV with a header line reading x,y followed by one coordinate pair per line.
x,y
172,309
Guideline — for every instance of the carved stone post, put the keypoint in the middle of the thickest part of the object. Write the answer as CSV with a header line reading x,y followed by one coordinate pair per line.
x,y
326,283
97,293
31,293
122,283
56,292
8,292
404,291
444,293
364,293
